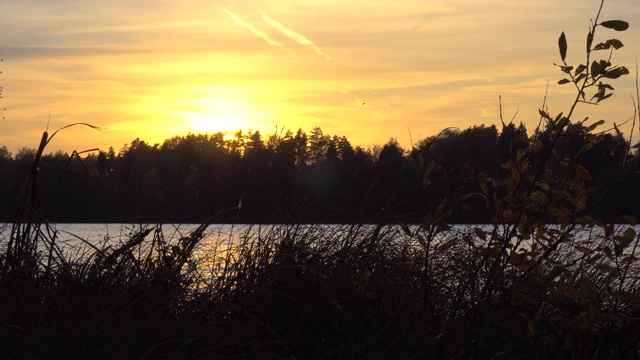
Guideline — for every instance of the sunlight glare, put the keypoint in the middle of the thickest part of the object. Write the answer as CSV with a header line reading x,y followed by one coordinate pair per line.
x,y
217,114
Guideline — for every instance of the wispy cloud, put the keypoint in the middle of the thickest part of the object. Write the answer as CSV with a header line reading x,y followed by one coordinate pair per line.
x,y
299,38
356,99
257,31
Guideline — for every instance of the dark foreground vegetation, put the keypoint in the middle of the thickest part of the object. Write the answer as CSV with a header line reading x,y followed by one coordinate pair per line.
x,y
548,277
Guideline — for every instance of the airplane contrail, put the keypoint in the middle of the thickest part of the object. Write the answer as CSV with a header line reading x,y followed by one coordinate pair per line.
x,y
257,32
301,39
357,100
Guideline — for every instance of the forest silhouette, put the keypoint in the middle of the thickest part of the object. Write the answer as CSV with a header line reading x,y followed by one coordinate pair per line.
x,y
301,177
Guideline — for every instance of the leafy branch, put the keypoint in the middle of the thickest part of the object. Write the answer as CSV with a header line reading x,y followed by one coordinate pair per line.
x,y
592,73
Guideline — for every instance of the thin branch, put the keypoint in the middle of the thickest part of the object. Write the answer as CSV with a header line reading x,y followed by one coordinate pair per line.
x,y
70,125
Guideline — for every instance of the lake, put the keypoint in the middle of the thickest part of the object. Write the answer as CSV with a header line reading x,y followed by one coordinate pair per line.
x,y
84,236
223,242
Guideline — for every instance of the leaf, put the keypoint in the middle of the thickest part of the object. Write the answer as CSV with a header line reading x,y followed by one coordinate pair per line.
x,y
554,273
524,224
580,202
580,77
624,241
584,220
405,228
565,289
593,126
582,249
422,240
615,43
566,69
582,172
413,164
593,259
538,145
616,72
544,114
538,199
448,245
468,241
602,86
430,167
617,25
588,289
580,69
585,148
564,81
595,69
562,45
543,185
623,295
615,127
605,268
480,233
589,41
561,123
600,98
599,67
558,117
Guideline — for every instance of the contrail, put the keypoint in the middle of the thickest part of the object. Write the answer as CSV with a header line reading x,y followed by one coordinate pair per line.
x,y
257,32
301,39
358,101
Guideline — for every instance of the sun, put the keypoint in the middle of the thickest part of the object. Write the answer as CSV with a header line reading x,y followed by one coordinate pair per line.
x,y
216,114
214,122
220,108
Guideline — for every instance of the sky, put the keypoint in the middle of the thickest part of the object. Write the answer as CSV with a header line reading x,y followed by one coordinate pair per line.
x,y
367,70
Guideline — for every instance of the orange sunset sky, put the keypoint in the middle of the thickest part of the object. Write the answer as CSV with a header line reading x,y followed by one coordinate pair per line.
x,y
367,70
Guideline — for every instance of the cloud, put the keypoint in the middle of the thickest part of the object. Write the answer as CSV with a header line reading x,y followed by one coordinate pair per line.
x,y
299,38
257,32
357,100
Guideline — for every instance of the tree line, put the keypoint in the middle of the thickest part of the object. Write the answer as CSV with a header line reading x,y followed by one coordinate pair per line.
x,y
306,177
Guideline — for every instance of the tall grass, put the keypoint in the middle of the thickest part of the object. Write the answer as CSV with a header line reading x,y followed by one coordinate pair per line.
x,y
280,292
311,292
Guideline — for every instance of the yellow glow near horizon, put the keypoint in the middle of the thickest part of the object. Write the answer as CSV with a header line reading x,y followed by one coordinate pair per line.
x,y
219,114
368,71
218,109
